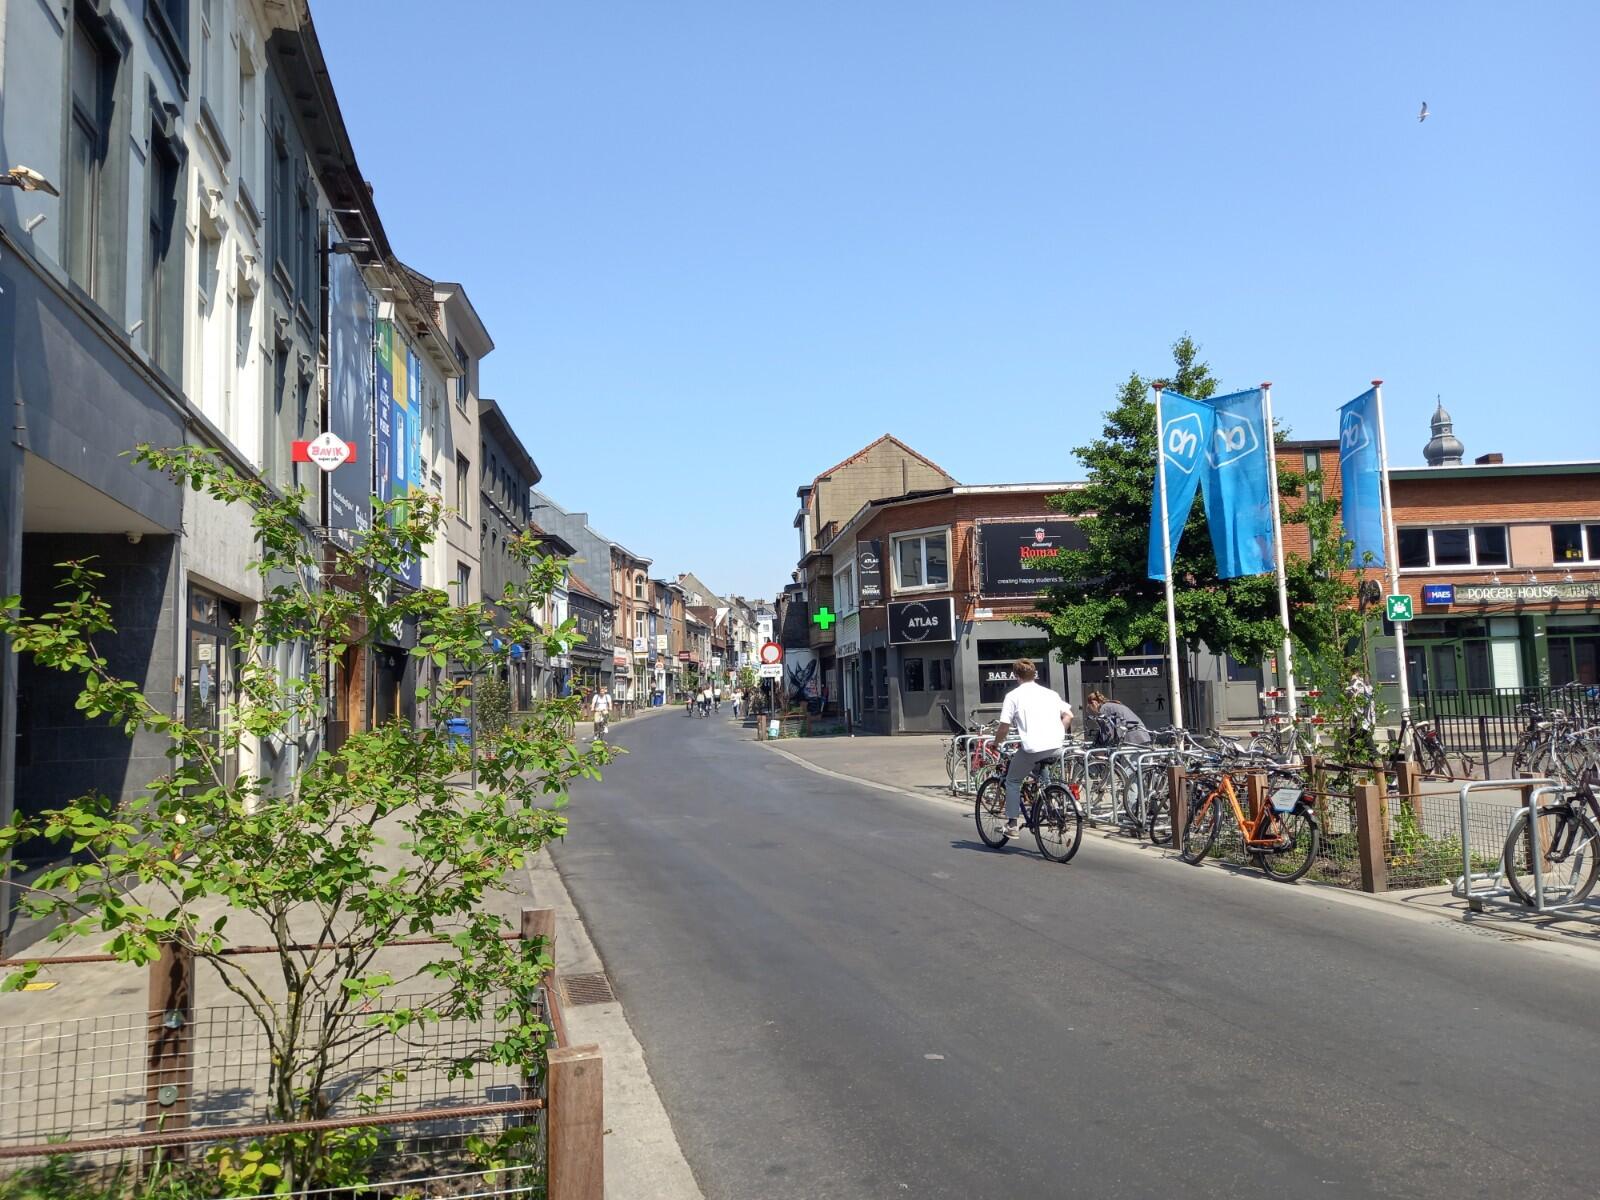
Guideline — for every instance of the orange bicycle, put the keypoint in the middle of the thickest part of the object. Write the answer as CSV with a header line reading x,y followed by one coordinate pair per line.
x,y
1282,839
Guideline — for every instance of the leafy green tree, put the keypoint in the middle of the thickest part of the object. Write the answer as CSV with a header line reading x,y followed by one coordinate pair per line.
x,y
1108,604
492,703
205,860
747,678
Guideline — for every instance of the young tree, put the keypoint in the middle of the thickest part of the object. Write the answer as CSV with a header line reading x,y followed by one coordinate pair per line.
x,y
1108,604
198,855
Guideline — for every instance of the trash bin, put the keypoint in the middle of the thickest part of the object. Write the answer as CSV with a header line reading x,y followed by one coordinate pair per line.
x,y
459,729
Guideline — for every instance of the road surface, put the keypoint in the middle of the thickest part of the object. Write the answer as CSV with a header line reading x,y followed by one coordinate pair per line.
x,y
842,993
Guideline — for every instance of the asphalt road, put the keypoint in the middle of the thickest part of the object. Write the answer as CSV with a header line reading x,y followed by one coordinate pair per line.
x,y
842,993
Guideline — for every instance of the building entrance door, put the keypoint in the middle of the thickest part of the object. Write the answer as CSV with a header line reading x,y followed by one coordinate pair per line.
x,y
213,670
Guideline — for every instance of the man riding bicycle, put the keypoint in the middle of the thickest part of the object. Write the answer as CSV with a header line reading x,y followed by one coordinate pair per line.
x,y
1041,719
601,711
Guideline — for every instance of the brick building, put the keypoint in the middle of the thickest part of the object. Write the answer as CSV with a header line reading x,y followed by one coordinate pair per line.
x,y
1502,561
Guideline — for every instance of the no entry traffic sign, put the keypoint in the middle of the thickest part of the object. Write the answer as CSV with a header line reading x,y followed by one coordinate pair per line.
x,y
771,654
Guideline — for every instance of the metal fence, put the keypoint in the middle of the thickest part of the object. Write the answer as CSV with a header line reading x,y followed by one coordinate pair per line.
x,y
1484,724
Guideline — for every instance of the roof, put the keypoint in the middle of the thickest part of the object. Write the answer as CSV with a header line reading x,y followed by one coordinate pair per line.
x,y
862,453
574,584
554,540
491,414
1496,470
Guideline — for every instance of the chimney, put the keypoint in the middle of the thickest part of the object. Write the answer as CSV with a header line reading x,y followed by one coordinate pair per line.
x,y
1489,460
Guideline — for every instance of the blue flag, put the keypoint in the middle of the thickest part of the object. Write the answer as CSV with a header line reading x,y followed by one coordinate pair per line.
x,y
1186,429
1237,485
1359,475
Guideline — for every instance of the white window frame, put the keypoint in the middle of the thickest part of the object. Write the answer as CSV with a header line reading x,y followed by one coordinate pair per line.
x,y
894,555
1472,541
844,589
1591,551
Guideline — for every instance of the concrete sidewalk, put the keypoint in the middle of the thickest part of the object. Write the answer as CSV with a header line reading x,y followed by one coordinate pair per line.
x,y
914,765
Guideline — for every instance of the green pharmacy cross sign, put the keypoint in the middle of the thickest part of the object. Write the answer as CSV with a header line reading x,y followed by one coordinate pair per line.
x,y
1398,608
824,618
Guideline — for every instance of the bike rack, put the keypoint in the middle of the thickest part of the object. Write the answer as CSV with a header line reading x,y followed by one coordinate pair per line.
x,y
1463,887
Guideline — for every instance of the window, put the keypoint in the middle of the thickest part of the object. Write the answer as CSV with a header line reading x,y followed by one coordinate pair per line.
x,y
463,583
638,588
305,235
463,474
461,380
1313,467
922,560
163,284
844,589
212,39
1575,543
994,666
169,20
249,134
940,676
93,72
911,675
272,432
282,231
1453,546
302,426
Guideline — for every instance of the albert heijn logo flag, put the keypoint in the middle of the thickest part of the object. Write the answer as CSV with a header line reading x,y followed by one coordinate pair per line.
x,y
1237,485
1360,476
1186,429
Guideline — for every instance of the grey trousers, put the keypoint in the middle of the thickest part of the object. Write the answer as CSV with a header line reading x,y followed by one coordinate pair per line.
x,y
1022,762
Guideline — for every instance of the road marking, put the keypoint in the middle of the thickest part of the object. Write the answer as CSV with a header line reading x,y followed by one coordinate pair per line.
x,y
934,1057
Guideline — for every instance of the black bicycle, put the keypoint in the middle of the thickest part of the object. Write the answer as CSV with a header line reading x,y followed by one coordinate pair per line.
x,y
1049,809
1568,837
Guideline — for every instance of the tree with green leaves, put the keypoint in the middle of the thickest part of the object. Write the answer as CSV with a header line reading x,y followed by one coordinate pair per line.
x,y
204,859
1109,606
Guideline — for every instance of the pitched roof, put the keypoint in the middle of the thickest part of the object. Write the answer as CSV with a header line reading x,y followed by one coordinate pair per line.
x,y
574,584
861,453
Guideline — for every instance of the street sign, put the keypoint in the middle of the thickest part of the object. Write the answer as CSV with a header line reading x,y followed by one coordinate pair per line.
x,y
1398,608
771,655
770,671
327,451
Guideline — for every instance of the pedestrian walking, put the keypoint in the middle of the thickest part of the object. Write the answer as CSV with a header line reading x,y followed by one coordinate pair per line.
x,y
1041,719
738,698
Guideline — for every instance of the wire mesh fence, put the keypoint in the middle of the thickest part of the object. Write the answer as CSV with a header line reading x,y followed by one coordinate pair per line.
x,y
427,1110
1422,846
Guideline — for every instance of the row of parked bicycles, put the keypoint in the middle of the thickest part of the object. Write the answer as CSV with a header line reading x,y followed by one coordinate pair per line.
x,y
1128,788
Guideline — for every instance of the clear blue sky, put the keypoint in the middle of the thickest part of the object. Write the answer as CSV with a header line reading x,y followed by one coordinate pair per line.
x,y
722,245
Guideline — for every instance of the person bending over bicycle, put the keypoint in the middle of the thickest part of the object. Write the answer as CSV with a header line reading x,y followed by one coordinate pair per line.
x,y
1041,719
1118,724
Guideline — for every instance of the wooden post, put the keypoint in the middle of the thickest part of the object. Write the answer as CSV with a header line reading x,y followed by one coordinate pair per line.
x,y
1371,836
169,1045
1178,788
540,923
575,1124
1408,778
1255,792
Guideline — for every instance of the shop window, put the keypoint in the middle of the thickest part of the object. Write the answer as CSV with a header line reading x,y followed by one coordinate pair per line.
x,y
994,666
922,560
940,676
1452,546
1575,543
912,674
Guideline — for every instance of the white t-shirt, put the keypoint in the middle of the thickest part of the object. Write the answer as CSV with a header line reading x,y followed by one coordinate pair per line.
x,y
1034,711
602,703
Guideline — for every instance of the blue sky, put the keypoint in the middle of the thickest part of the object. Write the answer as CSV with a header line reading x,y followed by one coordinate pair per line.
x,y
720,246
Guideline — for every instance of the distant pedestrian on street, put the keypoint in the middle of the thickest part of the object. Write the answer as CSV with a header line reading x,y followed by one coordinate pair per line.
x,y
1118,724
738,698
1041,719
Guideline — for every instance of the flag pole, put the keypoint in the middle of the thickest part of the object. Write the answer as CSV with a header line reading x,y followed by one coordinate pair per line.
x,y
1392,554
1286,676
1174,690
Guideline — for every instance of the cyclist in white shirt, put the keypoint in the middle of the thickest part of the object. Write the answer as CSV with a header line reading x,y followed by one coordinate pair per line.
x,y
1041,719
602,711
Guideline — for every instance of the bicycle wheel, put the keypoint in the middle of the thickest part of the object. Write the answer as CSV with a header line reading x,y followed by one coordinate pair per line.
x,y
1158,806
1569,861
950,757
1205,815
989,811
1059,827
1300,838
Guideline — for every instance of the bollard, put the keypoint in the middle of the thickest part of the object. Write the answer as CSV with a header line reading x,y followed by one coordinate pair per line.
x,y
1408,780
575,1124
169,1046
1371,837
1178,787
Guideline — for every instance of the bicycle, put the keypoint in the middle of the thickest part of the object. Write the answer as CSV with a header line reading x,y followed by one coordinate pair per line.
x,y
1569,837
1049,809
1427,747
1282,839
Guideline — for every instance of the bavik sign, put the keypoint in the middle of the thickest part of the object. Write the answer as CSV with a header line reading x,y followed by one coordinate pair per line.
x,y
1018,557
913,622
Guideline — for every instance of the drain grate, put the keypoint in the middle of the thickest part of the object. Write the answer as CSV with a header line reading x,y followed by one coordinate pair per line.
x,y
594,988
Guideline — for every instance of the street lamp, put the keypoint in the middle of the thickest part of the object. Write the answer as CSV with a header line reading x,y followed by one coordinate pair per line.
x,y
28,180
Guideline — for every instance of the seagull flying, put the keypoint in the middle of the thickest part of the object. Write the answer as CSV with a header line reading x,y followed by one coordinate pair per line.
x,y
1423,115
